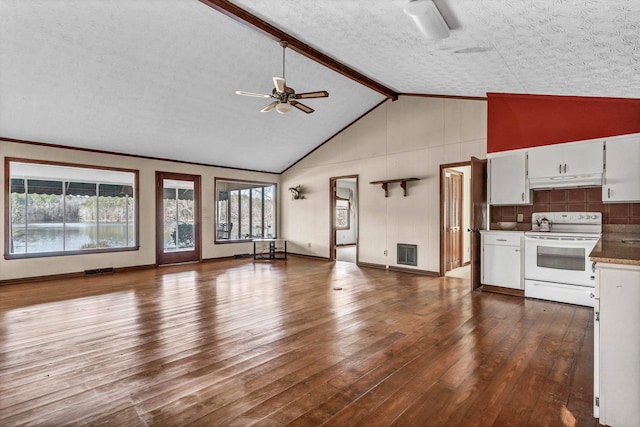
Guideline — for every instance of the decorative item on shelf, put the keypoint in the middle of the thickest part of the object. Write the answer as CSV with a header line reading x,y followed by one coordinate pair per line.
x,y
296,192
403,183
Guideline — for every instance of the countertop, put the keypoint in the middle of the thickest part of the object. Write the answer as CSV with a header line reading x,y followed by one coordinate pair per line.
x,y
618,247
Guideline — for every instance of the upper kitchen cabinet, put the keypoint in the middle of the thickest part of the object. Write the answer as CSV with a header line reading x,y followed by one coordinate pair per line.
x,y
508,179
571,164
622,169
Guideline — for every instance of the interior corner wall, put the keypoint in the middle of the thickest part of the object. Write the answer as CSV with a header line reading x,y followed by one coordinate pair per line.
x,y
408,138
522,121
146,255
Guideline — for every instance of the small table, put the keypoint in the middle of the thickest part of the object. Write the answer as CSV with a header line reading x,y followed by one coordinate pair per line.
x,y
269,249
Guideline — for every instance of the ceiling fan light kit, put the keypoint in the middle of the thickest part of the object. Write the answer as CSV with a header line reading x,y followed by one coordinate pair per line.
x,y
285,97
427,17
283,107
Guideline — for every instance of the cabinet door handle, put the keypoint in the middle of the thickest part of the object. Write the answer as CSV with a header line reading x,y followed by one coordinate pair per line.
x,y
501,240
517,250
523,196
608,193
565,168
560,168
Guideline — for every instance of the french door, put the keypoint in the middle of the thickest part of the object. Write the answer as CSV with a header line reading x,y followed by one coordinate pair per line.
x,y
178,236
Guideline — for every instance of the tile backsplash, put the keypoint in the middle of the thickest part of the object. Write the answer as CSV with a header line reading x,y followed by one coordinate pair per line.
x,y
570,200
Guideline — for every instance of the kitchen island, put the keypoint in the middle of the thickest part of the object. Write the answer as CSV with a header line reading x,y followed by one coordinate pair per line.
x,y
617,328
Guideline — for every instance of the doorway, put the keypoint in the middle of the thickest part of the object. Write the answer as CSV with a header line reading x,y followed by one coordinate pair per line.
x,y
344,218
456,219
178,238
474,211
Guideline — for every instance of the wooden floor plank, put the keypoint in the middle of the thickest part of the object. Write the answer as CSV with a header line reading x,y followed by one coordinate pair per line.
x,y
238,342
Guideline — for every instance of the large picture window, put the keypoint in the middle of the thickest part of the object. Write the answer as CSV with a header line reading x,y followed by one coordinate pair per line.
x,y
245,210
56,209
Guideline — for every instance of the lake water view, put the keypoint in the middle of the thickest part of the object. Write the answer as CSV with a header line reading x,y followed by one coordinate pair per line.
x,y
54,237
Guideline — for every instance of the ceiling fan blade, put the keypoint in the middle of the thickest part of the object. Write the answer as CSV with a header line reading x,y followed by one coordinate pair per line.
x,y
280,84
269,107
301,107
257,95
307,95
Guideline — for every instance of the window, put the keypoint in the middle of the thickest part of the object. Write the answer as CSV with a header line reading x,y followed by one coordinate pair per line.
x,y
58,209
245,210
179,215
343,213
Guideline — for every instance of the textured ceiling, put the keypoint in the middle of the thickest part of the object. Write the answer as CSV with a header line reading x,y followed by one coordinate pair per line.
x,y
157,77
555,47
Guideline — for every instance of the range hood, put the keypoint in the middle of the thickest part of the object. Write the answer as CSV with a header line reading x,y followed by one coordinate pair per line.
x,y
566,181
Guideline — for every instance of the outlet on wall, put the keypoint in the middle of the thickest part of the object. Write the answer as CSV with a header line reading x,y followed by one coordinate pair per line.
x,y
520,218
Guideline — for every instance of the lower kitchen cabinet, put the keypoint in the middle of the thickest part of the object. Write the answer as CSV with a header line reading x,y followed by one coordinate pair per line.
x,y
617,345
502,255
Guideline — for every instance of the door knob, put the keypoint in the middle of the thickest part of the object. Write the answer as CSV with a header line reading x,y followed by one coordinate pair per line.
x,y
475,230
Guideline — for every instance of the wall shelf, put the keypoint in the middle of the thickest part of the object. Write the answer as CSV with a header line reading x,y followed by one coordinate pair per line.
x,y
403,183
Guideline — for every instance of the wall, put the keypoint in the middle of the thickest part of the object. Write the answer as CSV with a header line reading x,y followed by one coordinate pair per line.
x,y
570,200
146,255
523,121
411,137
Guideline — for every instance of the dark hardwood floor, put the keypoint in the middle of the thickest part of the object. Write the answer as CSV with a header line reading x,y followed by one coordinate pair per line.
x,y
299,342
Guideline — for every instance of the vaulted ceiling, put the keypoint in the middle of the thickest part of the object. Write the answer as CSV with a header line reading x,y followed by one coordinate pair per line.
x,y
157,77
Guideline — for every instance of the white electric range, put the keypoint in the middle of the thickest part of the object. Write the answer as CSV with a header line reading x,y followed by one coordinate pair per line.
x,y
557,266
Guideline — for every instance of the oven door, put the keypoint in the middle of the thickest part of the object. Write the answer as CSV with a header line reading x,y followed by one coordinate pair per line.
x,y
559,259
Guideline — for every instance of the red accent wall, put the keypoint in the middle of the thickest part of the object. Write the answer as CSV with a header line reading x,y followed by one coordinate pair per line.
x,y
522,121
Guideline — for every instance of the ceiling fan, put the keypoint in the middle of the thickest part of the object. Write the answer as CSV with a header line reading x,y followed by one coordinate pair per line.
x,y
285,97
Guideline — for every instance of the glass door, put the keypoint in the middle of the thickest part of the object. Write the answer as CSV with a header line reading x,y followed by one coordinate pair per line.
x,y
178,218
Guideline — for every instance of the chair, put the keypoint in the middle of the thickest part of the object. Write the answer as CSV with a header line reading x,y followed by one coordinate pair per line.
x,y
224,230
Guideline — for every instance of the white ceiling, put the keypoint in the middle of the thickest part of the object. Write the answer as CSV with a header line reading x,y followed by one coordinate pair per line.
x,y
157,77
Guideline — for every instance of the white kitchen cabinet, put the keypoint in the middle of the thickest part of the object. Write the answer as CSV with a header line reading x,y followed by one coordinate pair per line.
x,y
622,169
566,160
502,259
617,345
508,183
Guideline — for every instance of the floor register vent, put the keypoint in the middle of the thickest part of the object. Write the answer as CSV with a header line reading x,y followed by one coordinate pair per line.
x,y
98,271
407,254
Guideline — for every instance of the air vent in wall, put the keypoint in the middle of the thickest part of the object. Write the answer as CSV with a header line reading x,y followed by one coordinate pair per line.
x,y
407,254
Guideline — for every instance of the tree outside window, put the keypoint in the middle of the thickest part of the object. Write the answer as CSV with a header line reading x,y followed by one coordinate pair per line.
x,y
58,209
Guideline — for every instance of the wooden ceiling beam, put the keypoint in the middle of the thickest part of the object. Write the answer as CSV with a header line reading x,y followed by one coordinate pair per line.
x,y
244,17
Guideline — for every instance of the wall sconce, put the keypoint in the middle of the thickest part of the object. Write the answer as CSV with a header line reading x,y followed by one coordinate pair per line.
x,y
427,17
296,192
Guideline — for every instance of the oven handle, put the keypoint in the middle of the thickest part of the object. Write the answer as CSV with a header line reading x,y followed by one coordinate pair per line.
x,y
563,239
